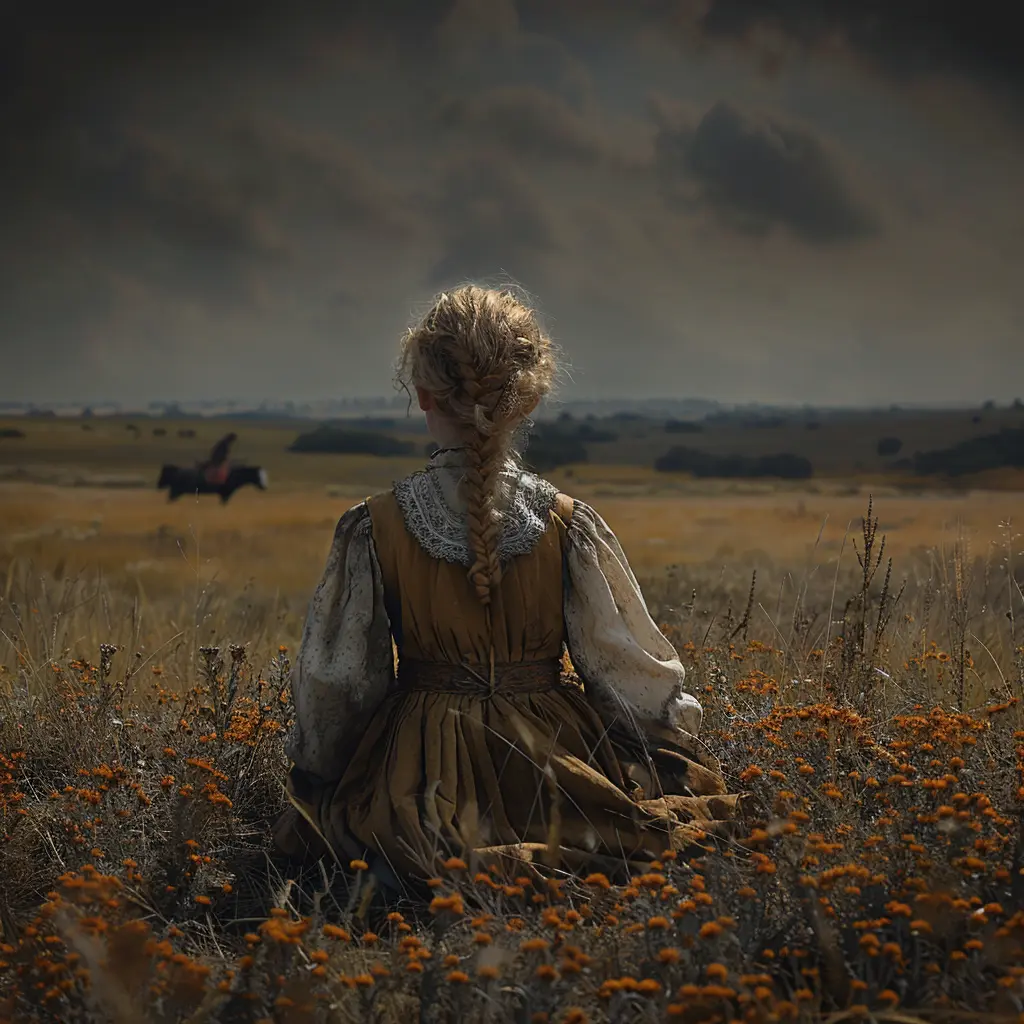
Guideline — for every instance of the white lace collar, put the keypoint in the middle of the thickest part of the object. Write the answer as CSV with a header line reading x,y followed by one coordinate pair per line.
x,y
426,500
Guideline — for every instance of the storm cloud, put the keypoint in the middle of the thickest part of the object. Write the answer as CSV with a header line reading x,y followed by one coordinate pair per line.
x,y
757,173
491,220
525,123
904,39
743,200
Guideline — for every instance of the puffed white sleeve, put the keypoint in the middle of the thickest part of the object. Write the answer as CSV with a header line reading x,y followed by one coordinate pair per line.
x,y
626,663
345,664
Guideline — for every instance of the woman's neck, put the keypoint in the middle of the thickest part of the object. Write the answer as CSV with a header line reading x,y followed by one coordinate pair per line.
x,y
445,433
449,464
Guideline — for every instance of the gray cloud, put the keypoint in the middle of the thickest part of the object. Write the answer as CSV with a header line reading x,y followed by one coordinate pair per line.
x,y
757,174
903,39
142,182
150,206
311,174
210,209
527,122
262,193
485,45
490,220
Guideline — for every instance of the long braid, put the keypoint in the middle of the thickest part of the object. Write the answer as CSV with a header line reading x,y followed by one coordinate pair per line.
x,y
482,355
486,449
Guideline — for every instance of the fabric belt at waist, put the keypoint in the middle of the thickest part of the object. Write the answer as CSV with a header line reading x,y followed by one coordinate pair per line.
x,y
474,680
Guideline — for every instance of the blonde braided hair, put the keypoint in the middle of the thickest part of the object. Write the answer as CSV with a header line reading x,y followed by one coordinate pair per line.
x,y
483,357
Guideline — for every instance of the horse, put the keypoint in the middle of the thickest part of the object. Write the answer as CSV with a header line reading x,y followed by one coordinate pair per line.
x,y
179,480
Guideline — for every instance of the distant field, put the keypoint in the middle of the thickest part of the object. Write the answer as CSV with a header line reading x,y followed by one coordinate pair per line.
x,y
838,445
84,490
108,447
137,530
78,496
76,502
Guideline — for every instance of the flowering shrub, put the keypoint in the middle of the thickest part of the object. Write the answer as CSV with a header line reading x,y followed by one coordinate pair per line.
x,y
879,875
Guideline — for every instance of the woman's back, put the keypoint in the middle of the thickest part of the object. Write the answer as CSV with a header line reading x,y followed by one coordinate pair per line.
x,y
433,609
482,576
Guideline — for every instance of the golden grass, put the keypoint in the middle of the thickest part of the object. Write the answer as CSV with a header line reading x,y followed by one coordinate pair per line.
x,y
143,695
277,541
784,528
874,878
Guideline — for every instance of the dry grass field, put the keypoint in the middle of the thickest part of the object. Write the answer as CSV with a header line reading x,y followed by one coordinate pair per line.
x,y
872,715
74,500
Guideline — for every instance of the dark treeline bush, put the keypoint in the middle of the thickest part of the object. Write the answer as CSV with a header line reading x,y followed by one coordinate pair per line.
x,y
561,443
889,446
548,450
594,435
785,465
566,428
373,423
11,432
747,420
683,427
339,441
993,451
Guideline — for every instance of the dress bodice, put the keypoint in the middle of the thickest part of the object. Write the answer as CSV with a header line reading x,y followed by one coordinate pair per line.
x,y
434,612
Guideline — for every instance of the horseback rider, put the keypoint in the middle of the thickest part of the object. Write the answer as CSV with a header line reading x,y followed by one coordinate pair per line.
x,y
216,467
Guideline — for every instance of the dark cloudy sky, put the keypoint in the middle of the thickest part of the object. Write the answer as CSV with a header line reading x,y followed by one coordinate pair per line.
x,y
775,200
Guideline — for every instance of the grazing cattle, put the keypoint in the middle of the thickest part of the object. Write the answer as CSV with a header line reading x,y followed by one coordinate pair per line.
x,y
179,480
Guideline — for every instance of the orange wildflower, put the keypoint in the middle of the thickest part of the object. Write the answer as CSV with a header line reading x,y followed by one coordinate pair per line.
x,y
534,945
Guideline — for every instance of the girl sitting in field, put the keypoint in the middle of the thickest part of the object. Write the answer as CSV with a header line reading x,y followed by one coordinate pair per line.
x,y
480,744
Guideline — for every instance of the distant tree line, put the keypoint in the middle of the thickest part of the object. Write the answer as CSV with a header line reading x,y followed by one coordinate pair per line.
x,y
785,466
335,440
993,451
562,443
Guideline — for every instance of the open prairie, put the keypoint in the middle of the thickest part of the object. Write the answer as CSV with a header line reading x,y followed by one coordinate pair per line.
x,y
870,713
78,497
841,445
276,541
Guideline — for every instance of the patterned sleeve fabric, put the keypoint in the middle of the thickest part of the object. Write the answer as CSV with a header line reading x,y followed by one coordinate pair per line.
x,y
345,665
626,663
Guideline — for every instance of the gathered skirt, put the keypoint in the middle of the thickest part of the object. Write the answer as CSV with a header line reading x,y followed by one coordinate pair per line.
x,y
538,777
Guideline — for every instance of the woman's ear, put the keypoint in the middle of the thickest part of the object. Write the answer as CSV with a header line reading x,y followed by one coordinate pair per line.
x,y
425,398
